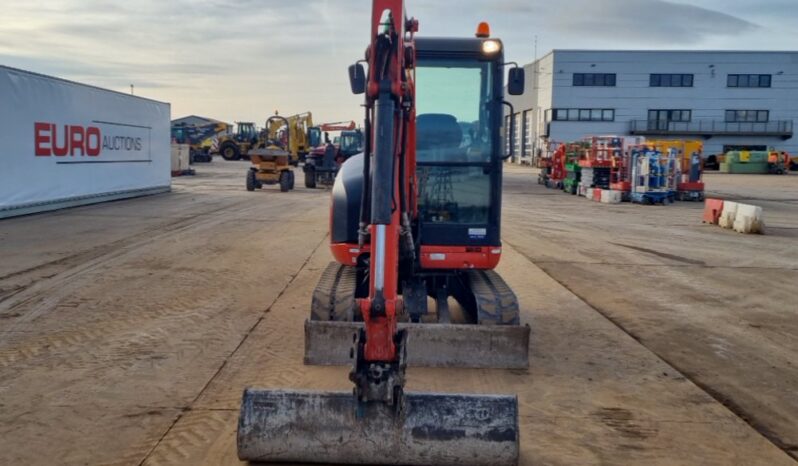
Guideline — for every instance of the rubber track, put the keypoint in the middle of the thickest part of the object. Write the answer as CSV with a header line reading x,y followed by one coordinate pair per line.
x,y
333,297
495,300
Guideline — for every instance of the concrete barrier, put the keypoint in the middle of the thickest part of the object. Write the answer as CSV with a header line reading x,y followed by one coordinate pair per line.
x,y
748,219
609,196
728,215
712,211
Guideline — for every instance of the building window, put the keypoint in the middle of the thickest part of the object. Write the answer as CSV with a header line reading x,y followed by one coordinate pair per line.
x,y
680,116
748,80
661,119
527,130
671,80
594,79
747,116
583,114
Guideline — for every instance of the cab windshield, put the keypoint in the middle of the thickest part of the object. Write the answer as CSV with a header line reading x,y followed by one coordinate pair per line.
x,y
454,140
453,102
314,136
350,142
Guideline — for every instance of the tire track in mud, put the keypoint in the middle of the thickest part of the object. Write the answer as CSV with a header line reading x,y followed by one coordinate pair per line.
x,y
127,339
104,249
105,256
113,321
197,432
194,435
737,410
92,332
101,255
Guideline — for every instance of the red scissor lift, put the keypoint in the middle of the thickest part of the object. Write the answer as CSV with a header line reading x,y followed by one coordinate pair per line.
x,y
621,174
603,151
545,163
557,173
556,163
598,161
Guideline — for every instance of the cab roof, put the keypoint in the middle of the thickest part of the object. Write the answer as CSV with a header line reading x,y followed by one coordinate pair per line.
x,y
450,47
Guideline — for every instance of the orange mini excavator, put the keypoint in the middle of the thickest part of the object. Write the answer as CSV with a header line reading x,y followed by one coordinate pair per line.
x,y
415,231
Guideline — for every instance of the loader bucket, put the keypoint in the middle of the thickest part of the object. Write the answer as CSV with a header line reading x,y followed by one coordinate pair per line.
x,y
432,429
328,343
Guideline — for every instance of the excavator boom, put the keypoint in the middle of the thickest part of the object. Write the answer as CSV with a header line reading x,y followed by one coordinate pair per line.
x,y
338,126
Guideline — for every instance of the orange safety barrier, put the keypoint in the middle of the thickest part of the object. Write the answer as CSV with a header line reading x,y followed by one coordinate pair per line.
x,y
712,210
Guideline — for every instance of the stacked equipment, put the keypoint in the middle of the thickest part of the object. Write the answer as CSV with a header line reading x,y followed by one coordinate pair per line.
x,y
654,175
573,175
689,160
600,156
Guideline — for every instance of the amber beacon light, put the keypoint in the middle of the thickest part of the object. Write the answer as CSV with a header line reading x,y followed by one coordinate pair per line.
x,y
483,30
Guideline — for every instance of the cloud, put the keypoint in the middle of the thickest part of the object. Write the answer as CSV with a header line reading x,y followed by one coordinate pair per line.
x,y
241,59
648,22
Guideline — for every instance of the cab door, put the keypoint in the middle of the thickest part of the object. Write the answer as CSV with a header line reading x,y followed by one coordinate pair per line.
x,y
458,170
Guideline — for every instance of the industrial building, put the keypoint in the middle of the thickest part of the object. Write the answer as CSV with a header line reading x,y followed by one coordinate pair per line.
x,y
196,120
732,100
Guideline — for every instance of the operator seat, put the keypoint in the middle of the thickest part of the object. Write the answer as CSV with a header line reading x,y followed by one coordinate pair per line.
x,y
438,138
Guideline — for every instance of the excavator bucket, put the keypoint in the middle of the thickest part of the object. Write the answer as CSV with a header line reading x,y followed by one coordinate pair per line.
x,y
431,429
495,339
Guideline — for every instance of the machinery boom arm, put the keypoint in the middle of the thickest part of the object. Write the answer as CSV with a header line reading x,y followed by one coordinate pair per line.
x,y
389,102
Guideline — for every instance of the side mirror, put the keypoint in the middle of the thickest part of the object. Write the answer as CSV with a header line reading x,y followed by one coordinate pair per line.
x,y
515,81
357,78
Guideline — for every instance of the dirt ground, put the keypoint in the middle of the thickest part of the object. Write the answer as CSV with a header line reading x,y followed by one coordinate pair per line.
x,y
128,330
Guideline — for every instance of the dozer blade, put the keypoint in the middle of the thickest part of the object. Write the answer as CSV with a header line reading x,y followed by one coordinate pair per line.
x,y
432,429
328,343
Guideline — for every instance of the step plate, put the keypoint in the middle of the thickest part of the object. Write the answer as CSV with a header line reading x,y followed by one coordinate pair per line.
x,y
329,343
326,427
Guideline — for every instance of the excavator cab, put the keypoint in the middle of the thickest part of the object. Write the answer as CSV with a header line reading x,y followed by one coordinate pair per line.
x,y
458,143
351,143
314,136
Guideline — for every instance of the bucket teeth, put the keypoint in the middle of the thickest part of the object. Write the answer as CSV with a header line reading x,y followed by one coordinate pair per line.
x,y
432,429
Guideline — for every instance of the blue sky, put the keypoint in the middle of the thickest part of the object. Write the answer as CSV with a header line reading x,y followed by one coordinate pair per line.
x,y
244,59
